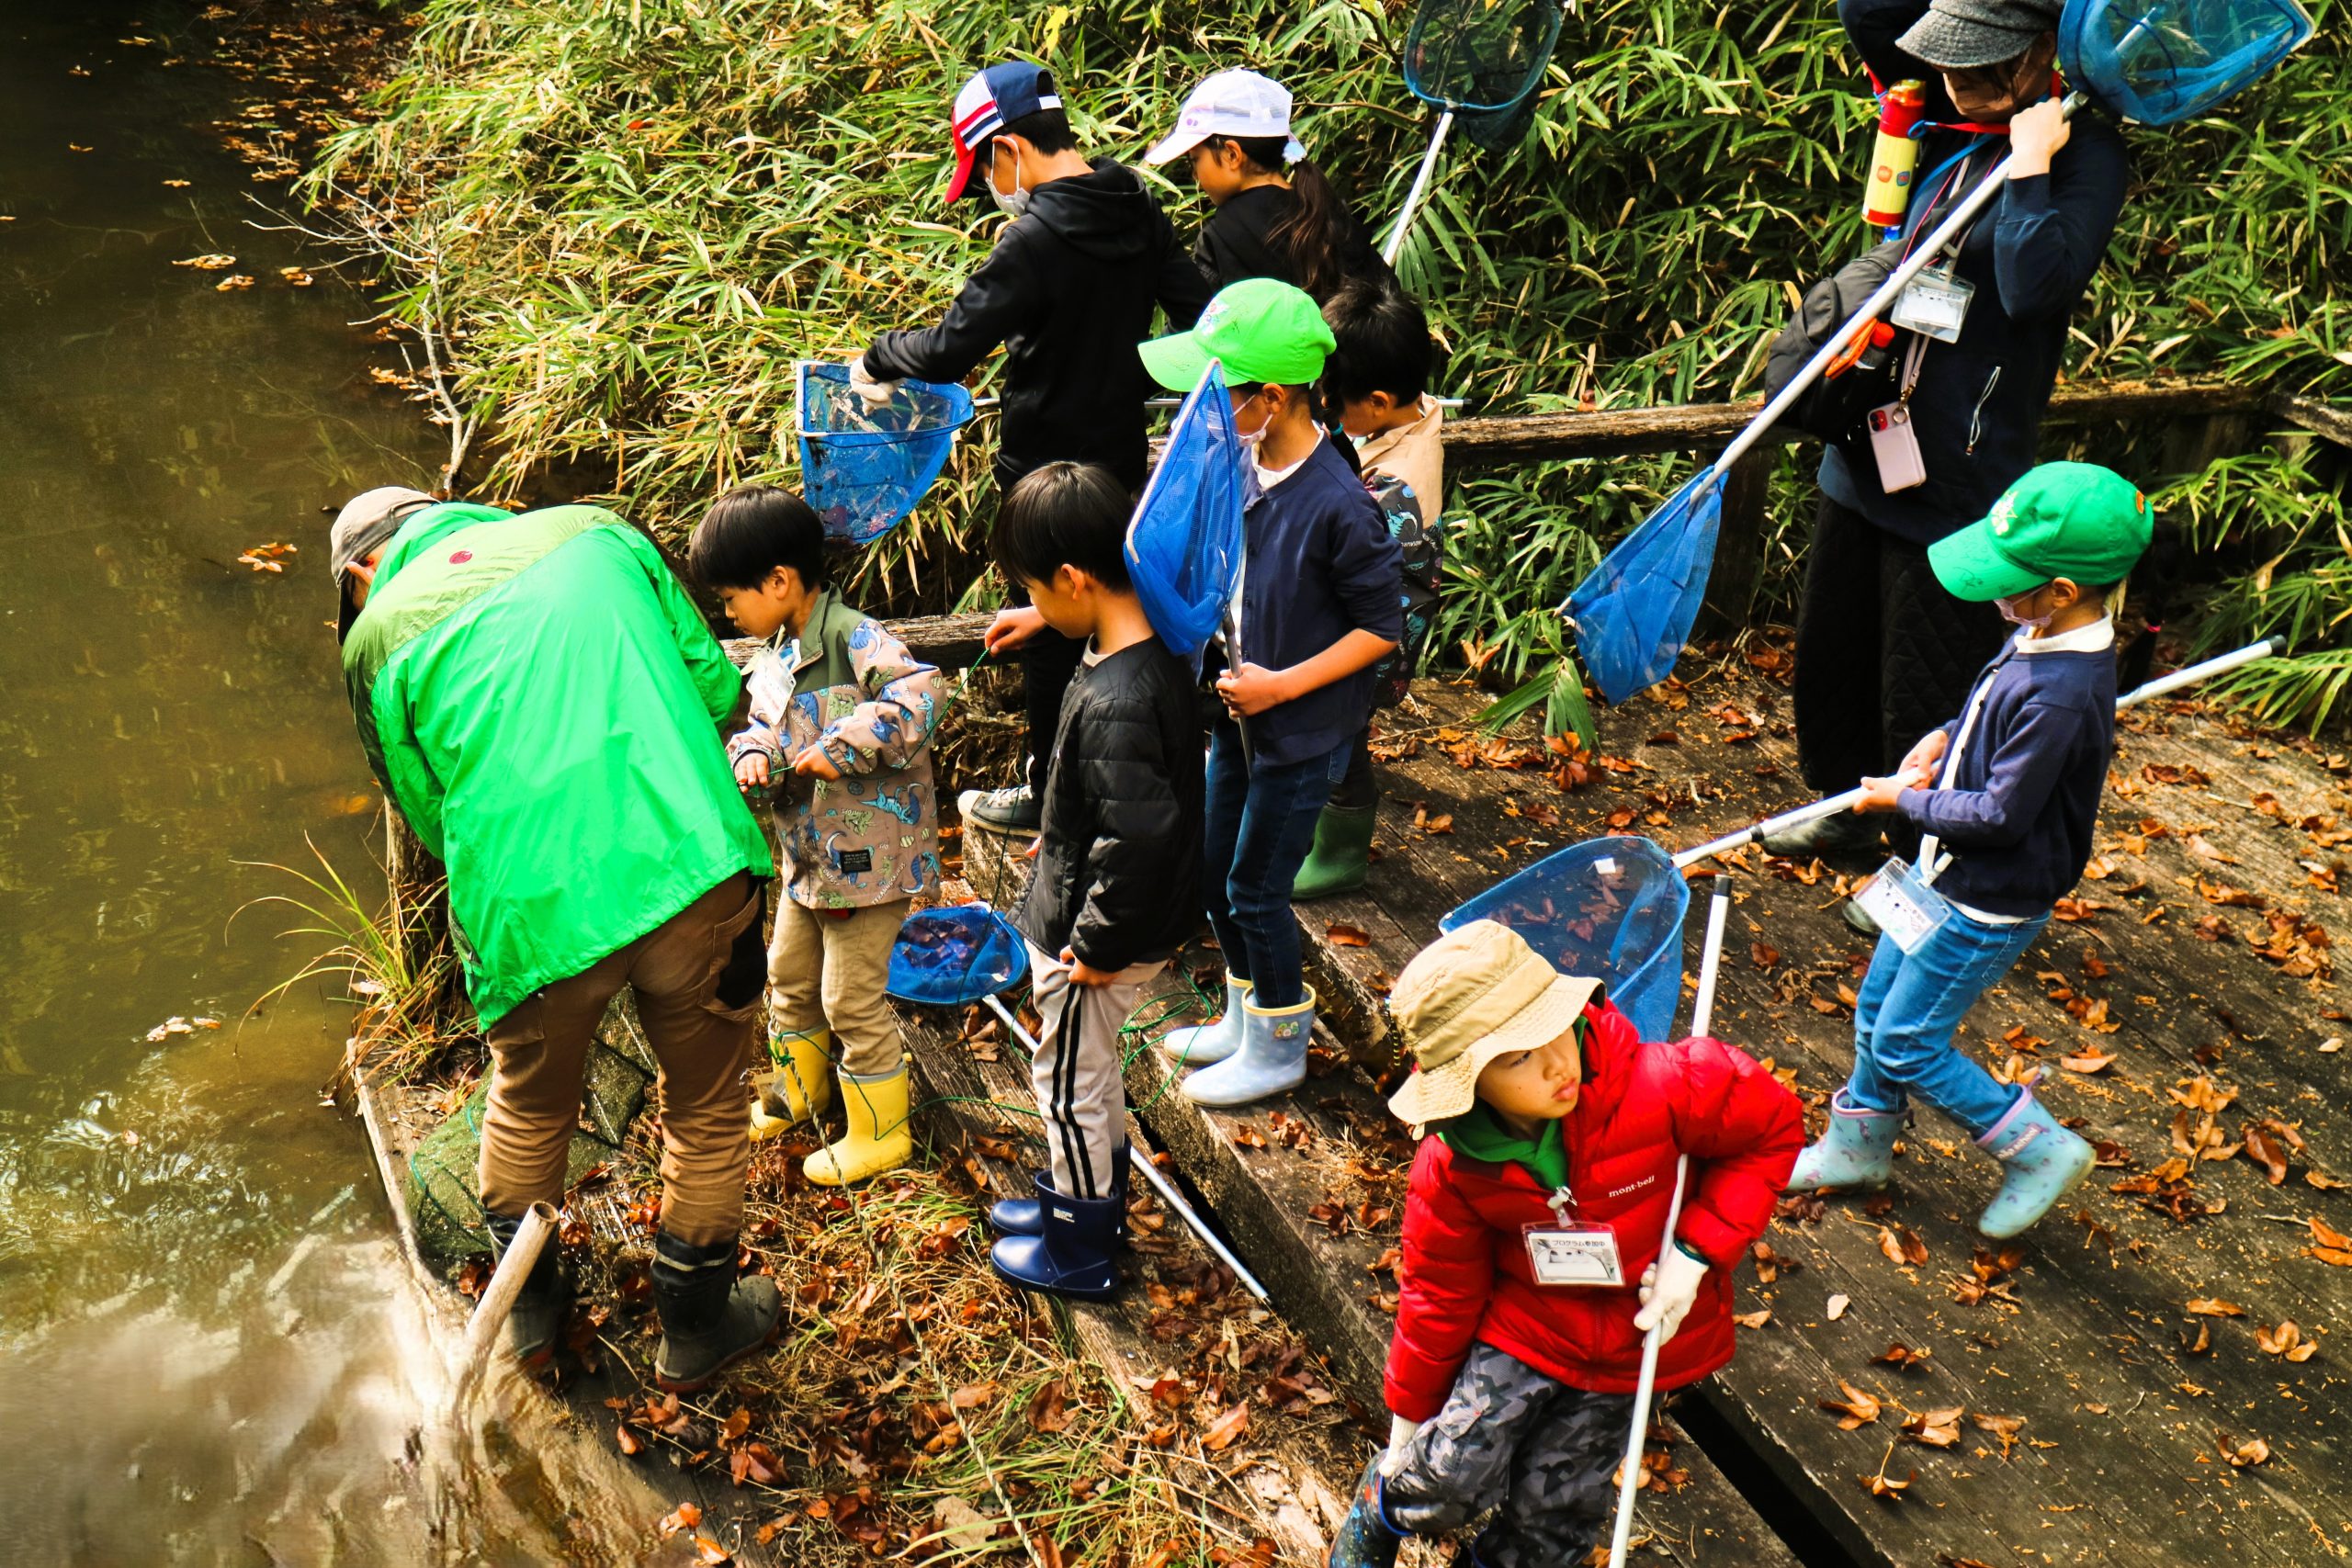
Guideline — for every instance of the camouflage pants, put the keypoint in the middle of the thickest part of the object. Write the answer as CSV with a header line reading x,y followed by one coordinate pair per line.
x,y
1538,1452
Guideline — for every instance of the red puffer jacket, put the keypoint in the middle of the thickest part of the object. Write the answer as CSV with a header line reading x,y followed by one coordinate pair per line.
x,y
1466,1275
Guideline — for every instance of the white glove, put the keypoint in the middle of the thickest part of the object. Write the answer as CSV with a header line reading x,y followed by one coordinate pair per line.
x,y
1400,1434
875,393
1669,1286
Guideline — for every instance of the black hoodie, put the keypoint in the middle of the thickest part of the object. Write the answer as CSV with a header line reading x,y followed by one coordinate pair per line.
x,y
1069,291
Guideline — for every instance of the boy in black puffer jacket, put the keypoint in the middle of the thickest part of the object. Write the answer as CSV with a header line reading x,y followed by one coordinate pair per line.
x,y
1074,279
1117,884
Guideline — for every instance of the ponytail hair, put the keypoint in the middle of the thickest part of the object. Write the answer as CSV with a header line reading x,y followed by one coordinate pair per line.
x,y
1314,236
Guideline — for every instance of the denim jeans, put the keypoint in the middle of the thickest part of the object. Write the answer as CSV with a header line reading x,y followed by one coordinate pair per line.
x,y
1258,826
1910,1006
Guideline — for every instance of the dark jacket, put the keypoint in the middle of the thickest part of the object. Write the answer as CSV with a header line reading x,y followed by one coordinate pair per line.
x,y
1236,242
1118,871
1977,408
1465,1277
2024,800
1069,291
1321,564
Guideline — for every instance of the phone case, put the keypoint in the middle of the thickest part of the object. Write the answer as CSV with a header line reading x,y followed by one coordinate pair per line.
x,y
1896,445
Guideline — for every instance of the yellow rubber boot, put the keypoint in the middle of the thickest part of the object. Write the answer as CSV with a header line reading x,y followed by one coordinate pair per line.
x,y
880,1136
798,1087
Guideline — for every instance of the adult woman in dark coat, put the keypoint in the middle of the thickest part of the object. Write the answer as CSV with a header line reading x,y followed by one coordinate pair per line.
x,y
1884,653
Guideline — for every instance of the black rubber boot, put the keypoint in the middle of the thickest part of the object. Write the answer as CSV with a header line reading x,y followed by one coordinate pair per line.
x,y
1073,1256
710,1319
542,1311
1365,1539
1026,1216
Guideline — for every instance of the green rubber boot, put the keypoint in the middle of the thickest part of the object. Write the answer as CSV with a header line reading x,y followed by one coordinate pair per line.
x,y
1341,856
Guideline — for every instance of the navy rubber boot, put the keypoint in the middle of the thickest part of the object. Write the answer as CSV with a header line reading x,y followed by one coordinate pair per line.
x,y
1365,1537
1025,1216
1072,1255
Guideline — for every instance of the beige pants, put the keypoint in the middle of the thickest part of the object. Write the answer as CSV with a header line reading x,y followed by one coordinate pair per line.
x,y
538,1052
827,969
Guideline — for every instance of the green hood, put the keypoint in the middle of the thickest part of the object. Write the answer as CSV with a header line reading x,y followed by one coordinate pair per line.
x,y
1476,1135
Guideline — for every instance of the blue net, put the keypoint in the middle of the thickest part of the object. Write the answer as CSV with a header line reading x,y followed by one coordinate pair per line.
x,y
1611,908
1481,55
2162,61
1185,546
1634,614
864,466
951,956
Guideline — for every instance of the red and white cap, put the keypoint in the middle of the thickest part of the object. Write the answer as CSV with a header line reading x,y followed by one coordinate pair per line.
x,y
1231,103
990,101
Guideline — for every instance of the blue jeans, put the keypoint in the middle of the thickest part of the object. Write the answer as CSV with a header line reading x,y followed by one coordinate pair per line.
x,y
1910,1006
1258,826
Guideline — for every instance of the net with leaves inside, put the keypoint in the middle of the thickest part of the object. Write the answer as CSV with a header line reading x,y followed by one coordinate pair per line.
x,y
1481,55
951,956
1611,908
864,466
1184,546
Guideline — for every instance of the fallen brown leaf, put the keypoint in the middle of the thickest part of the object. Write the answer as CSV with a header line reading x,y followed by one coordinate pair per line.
x,y
1226,1427
1857,1409
2209,1306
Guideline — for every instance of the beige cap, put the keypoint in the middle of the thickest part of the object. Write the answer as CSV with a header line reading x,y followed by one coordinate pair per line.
x,y
1471,995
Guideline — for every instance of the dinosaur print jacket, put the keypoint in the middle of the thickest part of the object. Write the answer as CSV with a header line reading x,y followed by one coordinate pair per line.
x,y
871,835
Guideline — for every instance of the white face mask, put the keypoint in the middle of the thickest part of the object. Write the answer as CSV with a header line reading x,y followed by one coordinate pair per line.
x,y
2009,608
1016,202
1251,439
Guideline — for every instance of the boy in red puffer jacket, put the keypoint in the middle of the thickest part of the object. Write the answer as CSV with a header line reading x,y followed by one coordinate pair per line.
x,y
1534,1263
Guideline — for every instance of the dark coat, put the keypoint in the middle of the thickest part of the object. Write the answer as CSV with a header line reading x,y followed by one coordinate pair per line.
x,y
1978,406
1069,290
1466,1278
1118,871
1236,242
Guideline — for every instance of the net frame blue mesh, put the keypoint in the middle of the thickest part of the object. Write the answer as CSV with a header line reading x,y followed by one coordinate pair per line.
x,y
2159,62
1187,539
1611,908
1634,611
864,468
956,955
1479,55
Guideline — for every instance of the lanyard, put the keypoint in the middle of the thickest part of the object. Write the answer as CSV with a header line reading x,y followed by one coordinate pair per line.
x,y
1931,861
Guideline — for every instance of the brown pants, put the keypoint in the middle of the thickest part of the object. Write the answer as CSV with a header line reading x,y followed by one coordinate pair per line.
x,y
538,1055
827,969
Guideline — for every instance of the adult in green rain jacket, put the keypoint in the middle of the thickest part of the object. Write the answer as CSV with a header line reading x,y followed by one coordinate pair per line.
x,y
542,700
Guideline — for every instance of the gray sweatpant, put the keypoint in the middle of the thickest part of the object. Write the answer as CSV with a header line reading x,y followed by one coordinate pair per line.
x,y
1081,1092
1541,1454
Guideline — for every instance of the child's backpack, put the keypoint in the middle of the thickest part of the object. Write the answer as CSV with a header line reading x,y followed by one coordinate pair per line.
x,y
1392,677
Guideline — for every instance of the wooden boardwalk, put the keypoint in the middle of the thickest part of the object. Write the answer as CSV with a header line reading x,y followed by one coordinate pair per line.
x,y
2114,1387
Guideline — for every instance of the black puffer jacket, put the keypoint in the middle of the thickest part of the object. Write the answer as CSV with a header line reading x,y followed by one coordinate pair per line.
x,y
1977,408
1069,290
1118,877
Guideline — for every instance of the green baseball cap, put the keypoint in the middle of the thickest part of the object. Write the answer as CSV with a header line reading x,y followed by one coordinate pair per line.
x,y
1259,329
2077,520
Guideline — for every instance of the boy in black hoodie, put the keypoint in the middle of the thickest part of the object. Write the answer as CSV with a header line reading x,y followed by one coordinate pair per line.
x,y
1072,283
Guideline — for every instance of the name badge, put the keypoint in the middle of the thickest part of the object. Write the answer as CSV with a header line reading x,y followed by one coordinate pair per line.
x,y
1573,1255
1935,303
772,683
1905,908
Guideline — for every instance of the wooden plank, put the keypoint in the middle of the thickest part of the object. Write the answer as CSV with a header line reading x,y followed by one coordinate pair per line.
x,y
2322,419
1492,441
2092,1357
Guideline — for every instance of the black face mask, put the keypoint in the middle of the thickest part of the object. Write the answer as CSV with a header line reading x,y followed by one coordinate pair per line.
x,y
1997,92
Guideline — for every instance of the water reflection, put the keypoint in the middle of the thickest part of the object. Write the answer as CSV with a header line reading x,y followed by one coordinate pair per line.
x,y
208,1353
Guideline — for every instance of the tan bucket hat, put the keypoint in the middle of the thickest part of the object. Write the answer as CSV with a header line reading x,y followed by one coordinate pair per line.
x,y
1471,995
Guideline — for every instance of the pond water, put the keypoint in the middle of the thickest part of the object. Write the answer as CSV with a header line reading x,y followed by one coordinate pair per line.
x,y
186,1375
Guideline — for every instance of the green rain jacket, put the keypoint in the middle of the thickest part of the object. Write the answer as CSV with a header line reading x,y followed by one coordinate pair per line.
x,y
542,700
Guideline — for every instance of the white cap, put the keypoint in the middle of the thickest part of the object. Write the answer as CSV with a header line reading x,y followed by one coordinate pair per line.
x,y
1231,103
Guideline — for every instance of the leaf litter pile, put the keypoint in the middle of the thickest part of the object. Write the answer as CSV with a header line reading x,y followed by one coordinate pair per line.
x,y
855,1437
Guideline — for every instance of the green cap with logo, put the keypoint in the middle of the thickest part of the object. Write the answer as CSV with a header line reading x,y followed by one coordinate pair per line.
x,y
1259,329
2077,520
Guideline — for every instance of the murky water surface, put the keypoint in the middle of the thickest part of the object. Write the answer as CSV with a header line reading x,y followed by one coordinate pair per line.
x,y
186,1375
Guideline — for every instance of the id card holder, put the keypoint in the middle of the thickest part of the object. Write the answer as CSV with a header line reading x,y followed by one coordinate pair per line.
x,y
1895,446
1934,304
1905,908
1571,1254
771,682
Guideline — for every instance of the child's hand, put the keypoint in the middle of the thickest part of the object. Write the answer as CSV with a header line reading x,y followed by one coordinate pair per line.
x,y
1081,972
1400,1437
751,771
1253,690
1922,758
1881,794
814,763
1669,1289
1012,628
